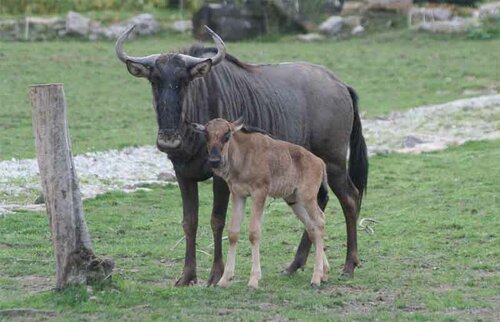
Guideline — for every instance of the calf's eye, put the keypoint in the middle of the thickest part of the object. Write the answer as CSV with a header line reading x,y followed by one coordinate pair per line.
x,y
226,137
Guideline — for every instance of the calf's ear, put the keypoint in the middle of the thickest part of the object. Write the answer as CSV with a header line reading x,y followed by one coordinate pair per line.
x,y
138,70
238,124
200,69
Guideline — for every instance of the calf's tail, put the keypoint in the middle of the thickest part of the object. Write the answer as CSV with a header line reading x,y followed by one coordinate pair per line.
x,y
358,155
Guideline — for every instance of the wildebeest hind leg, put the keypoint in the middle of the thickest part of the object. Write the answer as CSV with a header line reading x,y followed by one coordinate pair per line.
x,y
221,199
348,196
304,248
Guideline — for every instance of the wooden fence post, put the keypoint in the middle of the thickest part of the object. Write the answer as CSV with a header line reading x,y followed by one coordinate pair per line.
x,y
75,260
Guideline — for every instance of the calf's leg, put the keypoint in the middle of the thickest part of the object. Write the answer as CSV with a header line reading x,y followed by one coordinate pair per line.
x,y
237,212
304,248
313,219
258,202
316,230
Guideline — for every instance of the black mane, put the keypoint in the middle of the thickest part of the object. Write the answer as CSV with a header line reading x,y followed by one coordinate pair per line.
x,y
252,129
233,89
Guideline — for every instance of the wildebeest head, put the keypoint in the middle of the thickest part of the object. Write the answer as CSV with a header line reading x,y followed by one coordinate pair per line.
x,y
218,133
169,75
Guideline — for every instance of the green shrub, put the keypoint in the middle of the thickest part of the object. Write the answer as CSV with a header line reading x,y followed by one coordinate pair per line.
x,y
62,6
489,29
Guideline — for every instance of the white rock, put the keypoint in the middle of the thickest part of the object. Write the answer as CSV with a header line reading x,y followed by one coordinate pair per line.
x,y
352,21
457,25
183,25
310,37
331,26
77,24
358,30
490,10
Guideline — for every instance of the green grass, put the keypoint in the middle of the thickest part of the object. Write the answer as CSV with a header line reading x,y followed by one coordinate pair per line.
x,y
108,108
435,256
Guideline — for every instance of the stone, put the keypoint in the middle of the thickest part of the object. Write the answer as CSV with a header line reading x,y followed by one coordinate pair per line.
x,y
76,24
417,15
411,141
145,23
456,25
353,8
490,10
358,30
310,37
332,26
352,21
229,21
183,25
399,6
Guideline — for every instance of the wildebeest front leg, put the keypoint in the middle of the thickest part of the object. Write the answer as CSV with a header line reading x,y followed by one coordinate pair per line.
x,y
189,193
304,248
221,199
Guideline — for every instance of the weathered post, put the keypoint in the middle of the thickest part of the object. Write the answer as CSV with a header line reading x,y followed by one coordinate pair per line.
x,y
75,260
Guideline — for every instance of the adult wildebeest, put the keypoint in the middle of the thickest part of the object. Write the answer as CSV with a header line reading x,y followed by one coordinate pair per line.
x,y
300,103
255,165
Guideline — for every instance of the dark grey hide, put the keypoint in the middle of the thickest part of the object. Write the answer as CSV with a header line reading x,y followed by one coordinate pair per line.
x,y
301,103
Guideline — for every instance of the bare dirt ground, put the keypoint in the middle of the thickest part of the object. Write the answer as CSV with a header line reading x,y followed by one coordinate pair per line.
x,y
421,129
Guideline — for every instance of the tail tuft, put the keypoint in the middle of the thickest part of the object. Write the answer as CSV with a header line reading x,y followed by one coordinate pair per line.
x,y
358,156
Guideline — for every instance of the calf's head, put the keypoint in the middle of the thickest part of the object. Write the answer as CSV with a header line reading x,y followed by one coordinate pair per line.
x,y
218,133
169,75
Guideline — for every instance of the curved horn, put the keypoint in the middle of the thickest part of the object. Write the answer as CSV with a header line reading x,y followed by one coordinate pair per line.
x,y
221,48
221,51
146,60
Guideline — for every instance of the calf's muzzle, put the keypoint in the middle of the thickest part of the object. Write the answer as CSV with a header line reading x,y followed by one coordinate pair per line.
x,y
214,158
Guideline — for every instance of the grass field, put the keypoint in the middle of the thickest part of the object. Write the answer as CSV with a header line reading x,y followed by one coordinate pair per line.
x,y
108,108
434,257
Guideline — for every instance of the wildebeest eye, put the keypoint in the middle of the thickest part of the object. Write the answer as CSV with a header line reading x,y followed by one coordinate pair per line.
x,y
226,136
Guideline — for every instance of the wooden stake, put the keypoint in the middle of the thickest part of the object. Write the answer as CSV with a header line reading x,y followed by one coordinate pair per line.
x,y
70,237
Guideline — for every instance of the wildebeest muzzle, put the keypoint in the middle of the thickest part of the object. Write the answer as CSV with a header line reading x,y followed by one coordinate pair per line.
x,y
168,140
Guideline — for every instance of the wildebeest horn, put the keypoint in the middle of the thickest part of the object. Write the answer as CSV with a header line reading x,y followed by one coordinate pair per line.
x,y
146,60
221,51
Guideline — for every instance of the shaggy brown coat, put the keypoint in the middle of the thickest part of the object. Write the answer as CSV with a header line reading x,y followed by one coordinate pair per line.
x,y
255,165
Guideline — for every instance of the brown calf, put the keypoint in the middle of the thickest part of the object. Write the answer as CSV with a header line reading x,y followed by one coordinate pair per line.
x,y
255,165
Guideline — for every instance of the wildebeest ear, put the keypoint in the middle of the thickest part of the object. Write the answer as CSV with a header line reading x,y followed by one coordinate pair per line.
x,y
238,124
200,69
138,70
198,127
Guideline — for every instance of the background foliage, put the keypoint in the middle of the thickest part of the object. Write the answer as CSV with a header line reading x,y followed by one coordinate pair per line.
x,y
63,6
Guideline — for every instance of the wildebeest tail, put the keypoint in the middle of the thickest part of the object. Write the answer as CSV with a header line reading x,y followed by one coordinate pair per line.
x,y
358,156
323,190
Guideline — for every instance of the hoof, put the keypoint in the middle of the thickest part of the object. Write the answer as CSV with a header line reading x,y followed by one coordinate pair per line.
x,y
223,283
254,285
214,277
315,286
186,280
345,276
290,270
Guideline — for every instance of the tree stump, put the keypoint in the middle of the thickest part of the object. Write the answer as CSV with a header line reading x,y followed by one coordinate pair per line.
x,y
75,260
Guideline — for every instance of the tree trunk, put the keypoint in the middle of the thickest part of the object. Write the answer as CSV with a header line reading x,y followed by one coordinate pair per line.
x,y
75,260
